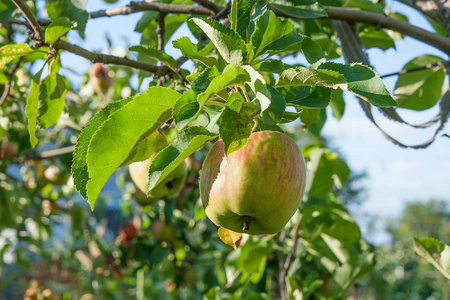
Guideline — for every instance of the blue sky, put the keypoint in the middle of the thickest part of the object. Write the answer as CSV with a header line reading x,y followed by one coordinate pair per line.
x,y
395,175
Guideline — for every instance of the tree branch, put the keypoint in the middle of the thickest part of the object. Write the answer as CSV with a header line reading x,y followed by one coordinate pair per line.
x,y
376,19
428,66
110,59
439,12
38,30
45,154
134,7
284,267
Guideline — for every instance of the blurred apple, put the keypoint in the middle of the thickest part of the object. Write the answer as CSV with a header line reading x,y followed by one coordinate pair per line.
x,y
99,78
142,199
163,232
7,150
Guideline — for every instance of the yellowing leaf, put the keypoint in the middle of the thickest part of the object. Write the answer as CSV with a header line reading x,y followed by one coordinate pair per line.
x,y
229,237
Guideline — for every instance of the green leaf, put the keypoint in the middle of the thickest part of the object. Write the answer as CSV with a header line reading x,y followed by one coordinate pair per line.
x,y
363,82
252,260
435,252
31,108
51,97
9,52
309,116
337,103
319,182
202,81
155,53
317,126
365,5
112,143
75,10
79,166
192,51
301,76
240,15
355,268
229,44
185,109
145,147
372,38
420,90
300,9
272,34
271,101
275,111
185,143
313,53
236,122
318,98
57,29
231,75
7,8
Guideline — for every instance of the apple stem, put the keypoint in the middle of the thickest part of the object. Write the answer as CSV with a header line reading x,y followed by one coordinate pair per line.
x,y
246,222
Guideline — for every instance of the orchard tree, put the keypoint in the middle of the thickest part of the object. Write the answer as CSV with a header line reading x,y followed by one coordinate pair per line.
x,y
269,183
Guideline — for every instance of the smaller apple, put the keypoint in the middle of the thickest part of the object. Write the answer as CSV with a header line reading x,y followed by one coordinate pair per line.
x,y
99,78
169,187
142,199
8,150
163,232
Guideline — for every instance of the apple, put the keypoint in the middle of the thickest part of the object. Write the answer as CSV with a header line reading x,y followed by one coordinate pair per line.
x,y
7,150
256,189
163,232
142,199
99,78
169,187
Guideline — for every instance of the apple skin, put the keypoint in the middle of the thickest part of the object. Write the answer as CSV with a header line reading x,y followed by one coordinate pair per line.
x,y
163,232
256,189
142,199
169,187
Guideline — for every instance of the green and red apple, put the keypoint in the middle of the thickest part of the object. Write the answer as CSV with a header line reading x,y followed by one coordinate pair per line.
x,y
256,189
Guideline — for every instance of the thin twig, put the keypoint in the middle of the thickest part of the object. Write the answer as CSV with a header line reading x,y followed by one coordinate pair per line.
x,y
210,5
161,31
45,154
223,13
38,30
287,263
425,67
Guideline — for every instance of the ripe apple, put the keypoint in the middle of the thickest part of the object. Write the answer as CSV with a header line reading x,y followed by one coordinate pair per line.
x,y
163,232
169,187
256,189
